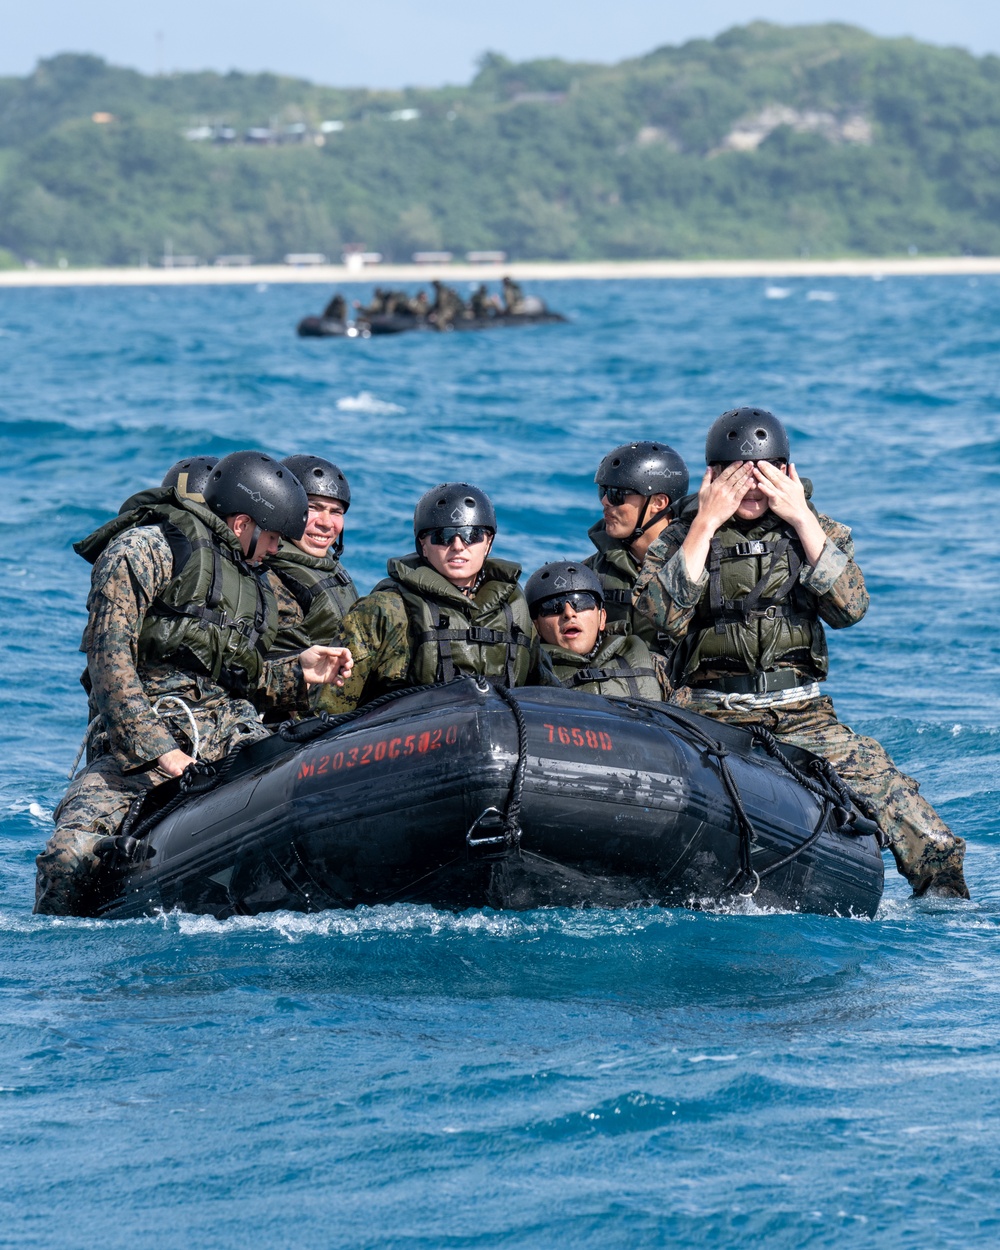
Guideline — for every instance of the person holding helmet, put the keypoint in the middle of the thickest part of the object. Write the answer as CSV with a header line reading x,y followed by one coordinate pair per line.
x,y
744,588
449,609
566,602
640,486
179,624
311,587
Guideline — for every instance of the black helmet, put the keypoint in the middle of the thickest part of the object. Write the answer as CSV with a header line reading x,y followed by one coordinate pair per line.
x,y
253,483
746,434
189,477
561,577
453,503
645,468
320,477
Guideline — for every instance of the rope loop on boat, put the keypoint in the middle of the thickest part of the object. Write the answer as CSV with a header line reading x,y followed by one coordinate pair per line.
x,y
87,735
175,699
495,833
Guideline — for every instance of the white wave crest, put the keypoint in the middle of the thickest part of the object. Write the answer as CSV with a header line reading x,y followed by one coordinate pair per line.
x,y
365,401
777,292
824,297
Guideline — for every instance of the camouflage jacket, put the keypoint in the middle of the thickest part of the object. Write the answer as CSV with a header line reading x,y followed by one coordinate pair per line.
x,y
834,588
129,574
617,569
380,635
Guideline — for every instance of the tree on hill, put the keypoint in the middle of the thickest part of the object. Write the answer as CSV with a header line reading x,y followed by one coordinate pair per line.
x,y
766,141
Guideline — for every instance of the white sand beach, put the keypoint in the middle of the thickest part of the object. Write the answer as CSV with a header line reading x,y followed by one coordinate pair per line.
x,y
526,271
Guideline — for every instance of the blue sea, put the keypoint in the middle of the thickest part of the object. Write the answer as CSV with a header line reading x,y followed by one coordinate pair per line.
x,y
398,1077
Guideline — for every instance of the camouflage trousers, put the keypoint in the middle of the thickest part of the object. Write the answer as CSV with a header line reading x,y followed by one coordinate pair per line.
x,y
68,879
926,851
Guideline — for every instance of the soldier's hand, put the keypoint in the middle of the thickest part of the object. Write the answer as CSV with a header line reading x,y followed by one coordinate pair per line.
x,y
174,762
785,495
326,665
720,494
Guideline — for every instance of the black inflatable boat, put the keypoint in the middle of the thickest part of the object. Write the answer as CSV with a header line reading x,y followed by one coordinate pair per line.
x,y
468,796
401,323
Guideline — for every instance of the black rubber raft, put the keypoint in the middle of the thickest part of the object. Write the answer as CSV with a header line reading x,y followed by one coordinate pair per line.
x,y
464,795
366,328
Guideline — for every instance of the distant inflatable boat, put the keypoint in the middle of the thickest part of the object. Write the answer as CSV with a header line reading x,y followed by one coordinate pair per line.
x,y
324,327
465,795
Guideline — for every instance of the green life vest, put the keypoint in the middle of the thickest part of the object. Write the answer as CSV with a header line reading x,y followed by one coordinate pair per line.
x,y
622,668
216,617
489,635
322,588
755,616
618,572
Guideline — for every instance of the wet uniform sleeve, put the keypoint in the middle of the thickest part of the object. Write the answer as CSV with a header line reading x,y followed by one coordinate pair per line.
x,y
835,579
127,577
291,636
377,632
663,590
282,685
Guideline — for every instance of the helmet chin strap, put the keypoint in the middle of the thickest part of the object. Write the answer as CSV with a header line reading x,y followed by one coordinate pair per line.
x,y
252,549
641,528
337,546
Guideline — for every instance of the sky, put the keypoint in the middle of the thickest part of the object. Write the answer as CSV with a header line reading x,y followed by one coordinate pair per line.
x,y
397,43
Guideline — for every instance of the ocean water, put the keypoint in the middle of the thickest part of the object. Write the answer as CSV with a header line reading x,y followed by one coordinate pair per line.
x,y
397,1077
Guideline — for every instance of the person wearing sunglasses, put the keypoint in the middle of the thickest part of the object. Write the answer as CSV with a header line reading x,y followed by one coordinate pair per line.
x,y
640,486
743,587
450,608
566,602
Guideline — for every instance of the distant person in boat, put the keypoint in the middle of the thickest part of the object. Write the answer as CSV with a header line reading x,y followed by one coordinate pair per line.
x,y
450,608
513,296
566,602
640,486
178,627
420,305
377,306
336,310
311,587
189,476
397,303
743,587
482,305
448,304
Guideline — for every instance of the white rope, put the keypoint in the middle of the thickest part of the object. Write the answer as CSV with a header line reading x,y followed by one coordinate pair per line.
x,y
83,746
179,702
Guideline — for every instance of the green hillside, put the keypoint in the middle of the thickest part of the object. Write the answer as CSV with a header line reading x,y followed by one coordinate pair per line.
x,y
767,141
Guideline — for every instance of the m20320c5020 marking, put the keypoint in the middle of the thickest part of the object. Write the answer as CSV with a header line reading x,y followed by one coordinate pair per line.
x,y
377,752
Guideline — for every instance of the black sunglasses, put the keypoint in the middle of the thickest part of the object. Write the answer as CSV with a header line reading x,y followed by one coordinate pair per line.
x,y
616,494
578,600
445,535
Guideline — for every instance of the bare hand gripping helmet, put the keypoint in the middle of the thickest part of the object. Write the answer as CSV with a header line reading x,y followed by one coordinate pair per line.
x,y
320,477
253,483
453,503
746,434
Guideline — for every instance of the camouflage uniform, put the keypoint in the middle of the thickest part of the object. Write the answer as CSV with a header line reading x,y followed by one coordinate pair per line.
x,y
513,296
448,304
384,637
132,571
619,666
617,569
925,850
